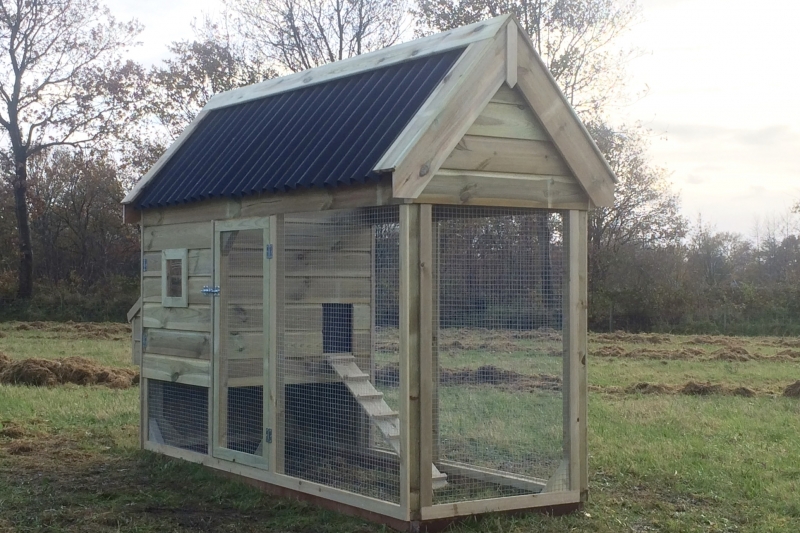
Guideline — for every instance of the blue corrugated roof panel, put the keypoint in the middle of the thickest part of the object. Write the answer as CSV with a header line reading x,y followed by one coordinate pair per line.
x,y
329,134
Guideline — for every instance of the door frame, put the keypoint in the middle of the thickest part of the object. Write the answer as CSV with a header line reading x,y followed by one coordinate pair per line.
x,y
266,460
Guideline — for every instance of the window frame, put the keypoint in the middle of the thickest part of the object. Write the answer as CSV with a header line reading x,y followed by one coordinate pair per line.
x,y
181,254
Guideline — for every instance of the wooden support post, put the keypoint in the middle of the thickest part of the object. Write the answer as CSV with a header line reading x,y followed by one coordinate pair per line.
x,y
426,353
575,348
275,317
410,361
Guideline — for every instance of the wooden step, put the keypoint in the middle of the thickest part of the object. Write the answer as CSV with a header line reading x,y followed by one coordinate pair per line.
x,y
374,404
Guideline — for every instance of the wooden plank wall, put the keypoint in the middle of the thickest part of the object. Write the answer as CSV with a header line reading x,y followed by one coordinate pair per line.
x,y
328,259
177,340
506,158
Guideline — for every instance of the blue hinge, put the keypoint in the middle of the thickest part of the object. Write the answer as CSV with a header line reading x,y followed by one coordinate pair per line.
x,y
269,251
144,341
268,436
144,265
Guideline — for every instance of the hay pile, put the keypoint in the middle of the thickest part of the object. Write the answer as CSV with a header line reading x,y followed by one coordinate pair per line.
x,y
793,390
49,372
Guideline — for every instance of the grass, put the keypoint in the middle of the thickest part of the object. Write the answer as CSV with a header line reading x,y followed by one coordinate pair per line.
x,y
670,463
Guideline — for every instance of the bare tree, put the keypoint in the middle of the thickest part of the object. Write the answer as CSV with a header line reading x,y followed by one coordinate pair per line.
x,y
577,39
303,34
62,83
217,60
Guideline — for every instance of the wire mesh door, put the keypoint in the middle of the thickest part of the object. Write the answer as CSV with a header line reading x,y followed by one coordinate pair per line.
x,y
241,428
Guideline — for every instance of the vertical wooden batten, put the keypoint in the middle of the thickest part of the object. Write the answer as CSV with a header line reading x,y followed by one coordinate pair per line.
x,y
575,349
426,372
511,54
410,361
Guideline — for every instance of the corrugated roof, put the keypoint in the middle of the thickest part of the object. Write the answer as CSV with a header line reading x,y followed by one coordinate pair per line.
x,y
329,134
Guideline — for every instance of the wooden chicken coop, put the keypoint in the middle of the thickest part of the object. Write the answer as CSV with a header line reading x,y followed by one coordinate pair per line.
x,y
365,284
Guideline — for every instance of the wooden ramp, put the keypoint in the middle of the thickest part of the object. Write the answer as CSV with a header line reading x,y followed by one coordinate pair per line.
x,y
379,412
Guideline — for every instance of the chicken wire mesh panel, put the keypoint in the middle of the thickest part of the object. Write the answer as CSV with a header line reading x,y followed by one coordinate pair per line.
x,y
177,415
498,352
338,353
242,347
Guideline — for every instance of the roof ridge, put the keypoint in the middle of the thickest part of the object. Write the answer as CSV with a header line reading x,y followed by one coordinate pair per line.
x,y
397,53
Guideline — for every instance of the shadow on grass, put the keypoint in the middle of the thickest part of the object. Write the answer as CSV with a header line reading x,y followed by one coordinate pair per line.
x,y
73,483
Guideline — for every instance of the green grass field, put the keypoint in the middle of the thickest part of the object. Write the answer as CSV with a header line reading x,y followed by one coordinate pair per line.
x,y
666,462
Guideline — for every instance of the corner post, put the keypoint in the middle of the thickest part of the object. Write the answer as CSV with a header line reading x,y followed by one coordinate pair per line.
x,y
410,361
575,350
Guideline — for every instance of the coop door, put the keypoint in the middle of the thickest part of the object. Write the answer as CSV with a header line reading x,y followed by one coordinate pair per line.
x,y
241,424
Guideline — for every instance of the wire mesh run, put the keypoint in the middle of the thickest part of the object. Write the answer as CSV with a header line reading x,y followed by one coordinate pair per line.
x,y
339,411
177,415
498,406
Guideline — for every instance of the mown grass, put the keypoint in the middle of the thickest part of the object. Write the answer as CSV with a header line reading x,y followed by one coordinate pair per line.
x,y
671,463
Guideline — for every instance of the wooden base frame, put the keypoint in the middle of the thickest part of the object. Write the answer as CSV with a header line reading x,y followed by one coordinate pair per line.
x,y
433,518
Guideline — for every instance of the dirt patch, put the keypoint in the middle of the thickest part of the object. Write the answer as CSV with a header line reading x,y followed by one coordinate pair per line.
x,y
691,388
51,372
649,388
633,338
684,354
793,390
455,340
733,353
19,448
12,432
389,376
78,330
792,354
694,388
727,342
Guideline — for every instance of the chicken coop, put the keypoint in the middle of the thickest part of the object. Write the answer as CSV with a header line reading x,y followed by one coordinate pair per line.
x,y
365,284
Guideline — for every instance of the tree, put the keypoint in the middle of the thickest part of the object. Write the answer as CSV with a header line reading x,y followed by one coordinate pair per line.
x,y
303,34
217,60
575,38
62,83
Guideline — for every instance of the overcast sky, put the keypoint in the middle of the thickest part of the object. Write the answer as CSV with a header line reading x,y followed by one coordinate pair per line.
x,y
721,80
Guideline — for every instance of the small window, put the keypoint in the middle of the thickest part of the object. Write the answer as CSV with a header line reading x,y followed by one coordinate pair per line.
x,y
337,328
174,278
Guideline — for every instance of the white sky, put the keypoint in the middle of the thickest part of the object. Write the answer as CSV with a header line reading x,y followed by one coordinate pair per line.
x,y
722,99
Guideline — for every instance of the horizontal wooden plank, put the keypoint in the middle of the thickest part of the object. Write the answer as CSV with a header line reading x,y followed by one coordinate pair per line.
x,y
192,344
516,156
200,263
192,318
362,344
151,290
188,235
216,209
327,237
319,260
243,290
509,190
312,369
509,121
244,318
303,317
328,290
362,317
493,476
302,343
507,95
307,200
176,369
245,368
243,345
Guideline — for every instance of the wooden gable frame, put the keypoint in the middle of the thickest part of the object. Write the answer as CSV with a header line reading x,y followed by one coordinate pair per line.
x,y
507,57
